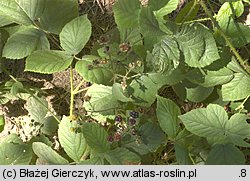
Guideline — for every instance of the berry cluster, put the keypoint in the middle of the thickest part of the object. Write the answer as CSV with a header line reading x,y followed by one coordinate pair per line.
x,y
122,128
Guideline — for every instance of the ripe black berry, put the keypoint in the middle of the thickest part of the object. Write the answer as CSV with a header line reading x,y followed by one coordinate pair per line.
x,y
132,121
134,114
118,118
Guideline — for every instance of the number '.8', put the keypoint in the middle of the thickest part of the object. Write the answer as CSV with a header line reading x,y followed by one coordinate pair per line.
x,y
243,173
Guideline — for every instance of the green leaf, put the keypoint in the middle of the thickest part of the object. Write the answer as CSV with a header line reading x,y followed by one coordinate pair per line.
x,y
136,144
119,94
50,126
101,100
182,154
57,14
126,13
43,139
97,74
13,138
16,88
211,78
198,93
15,154
164,7
212,122
5,21
48,61
165,56
27,41
48,155
238,33
71,139
149,27
201,77
198,45
92,161
225,155
148,23
237,126
225,13
96,137
192,92
236,89
2,123
33,8
121,156
167,114
143,90
37,108
157,4
131,35
75,35
206,122
184,14
152,136
236,67
11,11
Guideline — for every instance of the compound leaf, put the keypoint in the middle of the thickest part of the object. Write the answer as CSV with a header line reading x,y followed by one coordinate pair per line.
x,y
212,122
